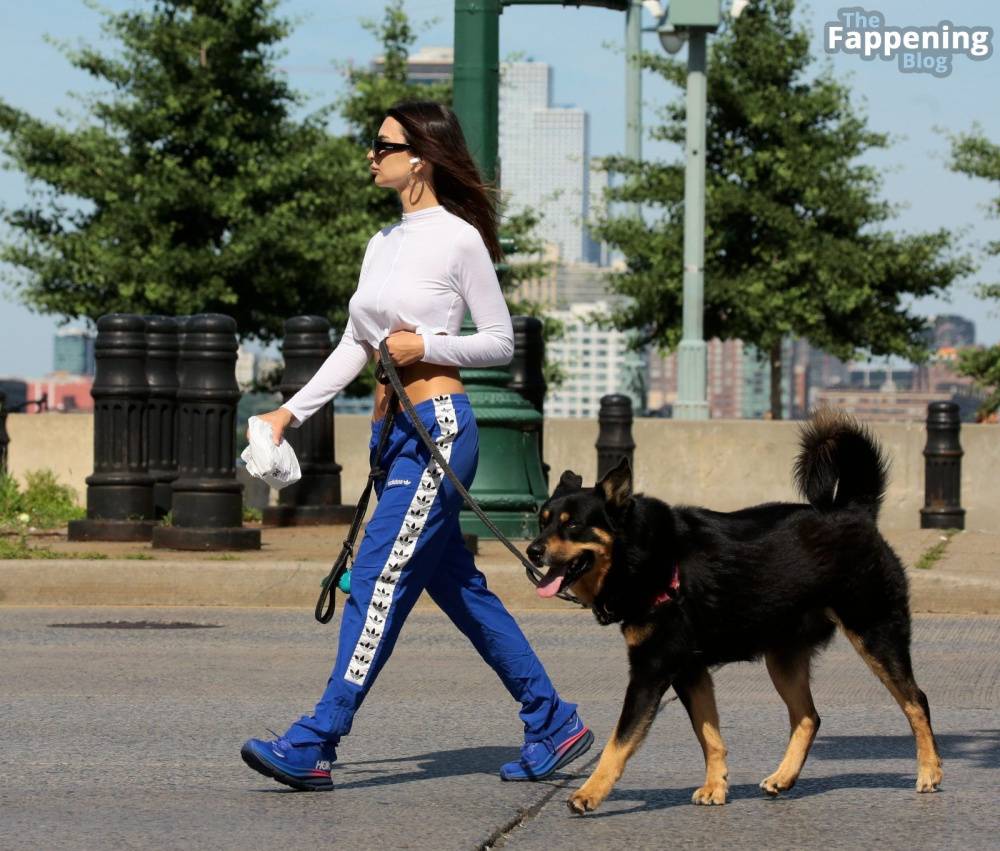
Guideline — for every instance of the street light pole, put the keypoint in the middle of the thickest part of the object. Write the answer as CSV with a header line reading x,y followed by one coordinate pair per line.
x,y
692,399
633,88
476,75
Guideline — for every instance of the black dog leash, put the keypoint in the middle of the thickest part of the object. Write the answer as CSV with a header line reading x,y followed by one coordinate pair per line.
x,y
386,367
327,601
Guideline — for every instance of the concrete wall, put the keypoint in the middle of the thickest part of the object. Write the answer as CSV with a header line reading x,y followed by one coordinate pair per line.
x,y
64,443
722,464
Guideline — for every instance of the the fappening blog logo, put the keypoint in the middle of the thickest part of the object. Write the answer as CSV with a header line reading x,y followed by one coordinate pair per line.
x,y
918,50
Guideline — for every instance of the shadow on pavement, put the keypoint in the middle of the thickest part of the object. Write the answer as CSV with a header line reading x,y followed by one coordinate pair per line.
x,y
389,772
981,747
450,763
650,800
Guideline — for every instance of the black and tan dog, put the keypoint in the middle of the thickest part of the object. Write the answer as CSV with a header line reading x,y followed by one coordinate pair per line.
x,y
694,589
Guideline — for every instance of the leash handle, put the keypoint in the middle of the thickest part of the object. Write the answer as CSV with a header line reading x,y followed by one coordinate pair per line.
x,y
388,368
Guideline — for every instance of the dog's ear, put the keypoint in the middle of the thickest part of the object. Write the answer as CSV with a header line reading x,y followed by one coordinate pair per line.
x,y
568,482
617,483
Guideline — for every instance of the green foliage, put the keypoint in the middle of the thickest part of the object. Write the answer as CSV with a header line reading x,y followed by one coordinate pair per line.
x,y
252,515
190,187
984,366
974,155
796,241
370,93
934,554
44,501
18,548
10,499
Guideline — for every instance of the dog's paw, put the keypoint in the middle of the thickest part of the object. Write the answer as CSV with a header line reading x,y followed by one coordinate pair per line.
x,y
711,793
777,783
583,802
929,779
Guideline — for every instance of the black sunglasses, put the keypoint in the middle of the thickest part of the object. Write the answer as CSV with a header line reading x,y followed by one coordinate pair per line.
x,y
380,146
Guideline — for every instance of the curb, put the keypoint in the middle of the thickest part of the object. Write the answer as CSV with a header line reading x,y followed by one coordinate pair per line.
x,y
296,584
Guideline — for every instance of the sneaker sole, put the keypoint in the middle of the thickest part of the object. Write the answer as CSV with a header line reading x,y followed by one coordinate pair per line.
x,y
579,747
257,764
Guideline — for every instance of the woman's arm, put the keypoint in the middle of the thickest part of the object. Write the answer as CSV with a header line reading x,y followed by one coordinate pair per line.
x,y
339,369
476,281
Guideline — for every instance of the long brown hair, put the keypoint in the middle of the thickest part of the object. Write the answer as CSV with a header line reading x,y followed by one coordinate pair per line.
x,y
433,132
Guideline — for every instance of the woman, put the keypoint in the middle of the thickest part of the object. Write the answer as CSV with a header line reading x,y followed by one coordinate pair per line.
x,y
417,278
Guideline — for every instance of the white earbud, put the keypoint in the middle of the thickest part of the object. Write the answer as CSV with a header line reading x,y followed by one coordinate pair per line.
x,y
415,159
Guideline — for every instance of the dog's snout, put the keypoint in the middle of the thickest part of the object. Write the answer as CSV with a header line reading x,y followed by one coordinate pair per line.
x,y
535,551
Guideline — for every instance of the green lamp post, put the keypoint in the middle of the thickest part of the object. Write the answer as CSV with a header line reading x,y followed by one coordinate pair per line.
x,y
509,484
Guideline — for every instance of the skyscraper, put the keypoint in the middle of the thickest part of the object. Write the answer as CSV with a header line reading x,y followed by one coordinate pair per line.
x,y
596,362
544,153
74,351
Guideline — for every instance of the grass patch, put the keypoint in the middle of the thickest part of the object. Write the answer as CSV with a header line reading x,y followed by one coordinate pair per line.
x,y
252,515
933,555
44,503
19,549
223,557
138,557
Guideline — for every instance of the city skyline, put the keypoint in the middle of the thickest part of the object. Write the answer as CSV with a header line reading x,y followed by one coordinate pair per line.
x,y
912,108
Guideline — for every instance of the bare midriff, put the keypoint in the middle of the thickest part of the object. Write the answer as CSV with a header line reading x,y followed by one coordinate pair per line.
x,y
420,381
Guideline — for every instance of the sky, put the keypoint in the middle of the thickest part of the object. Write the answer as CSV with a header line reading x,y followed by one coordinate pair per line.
x,y
917,110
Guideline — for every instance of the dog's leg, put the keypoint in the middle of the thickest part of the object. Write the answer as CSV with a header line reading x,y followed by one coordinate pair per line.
x,y
886,650
698,697
790,675
641,701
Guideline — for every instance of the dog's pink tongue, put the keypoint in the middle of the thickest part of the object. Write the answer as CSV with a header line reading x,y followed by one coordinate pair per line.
x,y
550,585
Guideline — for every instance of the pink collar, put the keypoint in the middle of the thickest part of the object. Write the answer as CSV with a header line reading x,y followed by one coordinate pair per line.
x,y
672,589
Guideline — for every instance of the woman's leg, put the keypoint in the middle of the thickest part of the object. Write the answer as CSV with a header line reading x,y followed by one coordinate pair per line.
x,y
459,588
402,546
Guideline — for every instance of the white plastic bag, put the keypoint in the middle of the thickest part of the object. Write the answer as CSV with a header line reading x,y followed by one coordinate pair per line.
x,y
275,464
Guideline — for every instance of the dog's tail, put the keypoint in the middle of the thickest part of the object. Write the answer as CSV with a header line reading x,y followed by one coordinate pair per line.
x,y
840,464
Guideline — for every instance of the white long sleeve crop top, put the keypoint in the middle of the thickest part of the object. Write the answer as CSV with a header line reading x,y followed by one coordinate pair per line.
x,y
418,275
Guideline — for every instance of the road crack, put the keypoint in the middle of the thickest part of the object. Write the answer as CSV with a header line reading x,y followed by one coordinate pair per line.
x,y
498,839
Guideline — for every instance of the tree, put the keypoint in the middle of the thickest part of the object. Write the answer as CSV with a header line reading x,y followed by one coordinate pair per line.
x,y
795,241
974,155
191,187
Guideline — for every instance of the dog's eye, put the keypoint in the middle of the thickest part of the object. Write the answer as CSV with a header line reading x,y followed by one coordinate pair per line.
x,y
573,524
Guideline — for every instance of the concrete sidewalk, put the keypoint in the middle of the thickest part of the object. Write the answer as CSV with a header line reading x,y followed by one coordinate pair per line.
x,y
961,576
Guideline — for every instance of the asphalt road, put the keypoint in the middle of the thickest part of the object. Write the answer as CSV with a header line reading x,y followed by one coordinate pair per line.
x,y
127,738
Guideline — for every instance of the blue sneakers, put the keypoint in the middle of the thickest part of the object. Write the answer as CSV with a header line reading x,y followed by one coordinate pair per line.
x,y
303,767
540,759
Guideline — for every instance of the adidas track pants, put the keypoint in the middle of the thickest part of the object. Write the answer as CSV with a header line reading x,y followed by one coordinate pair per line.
x,y
414,542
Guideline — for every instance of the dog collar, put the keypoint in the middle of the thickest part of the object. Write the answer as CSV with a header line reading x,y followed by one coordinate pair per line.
x,y
672,589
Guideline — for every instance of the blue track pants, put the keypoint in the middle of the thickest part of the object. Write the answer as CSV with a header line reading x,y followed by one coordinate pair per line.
x,y
414,542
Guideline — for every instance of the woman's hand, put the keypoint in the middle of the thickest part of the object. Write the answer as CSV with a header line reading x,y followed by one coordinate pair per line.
x,y
280,418
405,347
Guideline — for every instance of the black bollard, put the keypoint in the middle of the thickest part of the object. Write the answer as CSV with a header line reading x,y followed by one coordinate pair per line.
x,y
4,437
207,502
314,499
614,437
161,409
943,469
120,491
527,377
